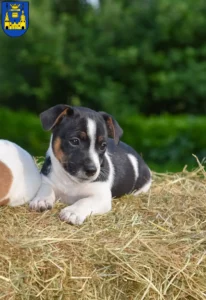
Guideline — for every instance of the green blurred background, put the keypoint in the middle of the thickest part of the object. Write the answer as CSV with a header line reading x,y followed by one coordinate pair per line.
x,y
144,61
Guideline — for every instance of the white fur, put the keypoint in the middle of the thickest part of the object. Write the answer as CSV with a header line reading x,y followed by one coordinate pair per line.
x,y
111,170
134,163
91,131
45,197
26,177
98,202
85,198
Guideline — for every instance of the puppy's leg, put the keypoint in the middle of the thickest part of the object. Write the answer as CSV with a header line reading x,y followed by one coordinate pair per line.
x,y
144,189
44,199
96,204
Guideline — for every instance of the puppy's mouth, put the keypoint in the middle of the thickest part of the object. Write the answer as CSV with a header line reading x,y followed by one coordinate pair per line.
x,y
84,178
79,176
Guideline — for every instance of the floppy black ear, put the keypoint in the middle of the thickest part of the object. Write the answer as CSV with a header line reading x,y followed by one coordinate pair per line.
x,y
114,130
50,117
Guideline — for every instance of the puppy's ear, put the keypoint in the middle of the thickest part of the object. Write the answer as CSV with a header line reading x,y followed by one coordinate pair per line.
x,y
113,128
52,116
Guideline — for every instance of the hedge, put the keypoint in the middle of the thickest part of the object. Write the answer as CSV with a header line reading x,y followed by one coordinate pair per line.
x,y
129,57
24,129
166,142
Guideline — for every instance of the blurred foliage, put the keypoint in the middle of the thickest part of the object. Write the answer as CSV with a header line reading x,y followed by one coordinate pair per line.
x,y
125,57
24,129
166,143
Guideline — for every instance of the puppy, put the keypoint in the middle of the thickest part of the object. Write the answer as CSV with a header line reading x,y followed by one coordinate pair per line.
x,y
85,168
19,177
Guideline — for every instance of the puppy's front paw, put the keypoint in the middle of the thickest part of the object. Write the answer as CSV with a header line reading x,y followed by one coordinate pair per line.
x,y
69,215
41,204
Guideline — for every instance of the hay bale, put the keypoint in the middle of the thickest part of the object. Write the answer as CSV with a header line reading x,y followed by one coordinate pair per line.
x,y
148,247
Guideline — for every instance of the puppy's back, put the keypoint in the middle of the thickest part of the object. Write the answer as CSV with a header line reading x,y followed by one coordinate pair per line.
x,y
131,171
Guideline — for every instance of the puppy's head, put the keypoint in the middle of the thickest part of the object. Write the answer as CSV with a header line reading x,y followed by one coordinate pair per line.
x,y
79,138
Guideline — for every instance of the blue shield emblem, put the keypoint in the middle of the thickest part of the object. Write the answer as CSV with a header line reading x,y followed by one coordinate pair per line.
x,y
15,17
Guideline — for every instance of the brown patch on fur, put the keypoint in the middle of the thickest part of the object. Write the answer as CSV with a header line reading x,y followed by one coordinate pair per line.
x,y
111,127
83,135
57,149
6,179
100,138
58,119
4,202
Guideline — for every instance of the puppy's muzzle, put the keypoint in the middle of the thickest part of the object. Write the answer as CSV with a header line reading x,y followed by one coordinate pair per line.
x,y
90,169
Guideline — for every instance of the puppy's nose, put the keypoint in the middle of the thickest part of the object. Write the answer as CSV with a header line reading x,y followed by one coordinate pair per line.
x,y
90,169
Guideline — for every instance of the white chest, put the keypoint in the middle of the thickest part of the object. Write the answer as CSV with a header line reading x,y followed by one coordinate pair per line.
x,y
69,192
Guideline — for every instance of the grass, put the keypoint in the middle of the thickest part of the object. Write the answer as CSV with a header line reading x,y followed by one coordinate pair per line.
x,y
148,247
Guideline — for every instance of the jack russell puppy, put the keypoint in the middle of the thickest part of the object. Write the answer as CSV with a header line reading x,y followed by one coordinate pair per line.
x,y
83,167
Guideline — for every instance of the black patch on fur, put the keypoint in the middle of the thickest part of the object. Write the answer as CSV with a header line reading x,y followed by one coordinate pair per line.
x,y
104,171
46,168
124,178
77,159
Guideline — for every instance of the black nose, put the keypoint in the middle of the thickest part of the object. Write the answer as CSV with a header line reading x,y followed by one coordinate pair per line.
x,y
90,169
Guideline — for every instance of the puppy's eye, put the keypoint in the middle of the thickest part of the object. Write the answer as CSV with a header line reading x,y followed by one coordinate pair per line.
x,y
74,141
103,146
